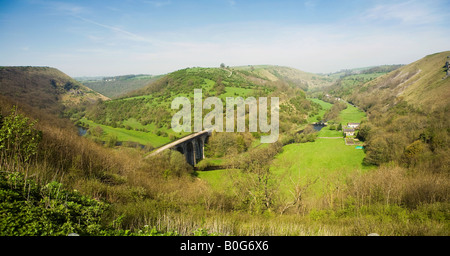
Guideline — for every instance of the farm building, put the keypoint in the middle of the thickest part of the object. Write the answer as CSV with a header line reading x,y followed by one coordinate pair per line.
x,y
349,132
353,125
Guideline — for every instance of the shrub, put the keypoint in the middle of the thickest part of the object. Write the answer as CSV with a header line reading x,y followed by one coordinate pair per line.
x,y
27,208
18,138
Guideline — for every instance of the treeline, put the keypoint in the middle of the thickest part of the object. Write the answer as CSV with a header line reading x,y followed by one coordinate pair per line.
x,y
408,136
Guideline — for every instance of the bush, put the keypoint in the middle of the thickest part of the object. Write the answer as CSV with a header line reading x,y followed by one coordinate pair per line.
x,y
28,209
18,138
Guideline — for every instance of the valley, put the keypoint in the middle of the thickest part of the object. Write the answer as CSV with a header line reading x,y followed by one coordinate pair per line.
x,y
389,177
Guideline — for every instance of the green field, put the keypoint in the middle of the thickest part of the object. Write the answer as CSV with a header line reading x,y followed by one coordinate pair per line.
x,y
218,179
327,160
325,107
235,92
144,138
326,132
351,115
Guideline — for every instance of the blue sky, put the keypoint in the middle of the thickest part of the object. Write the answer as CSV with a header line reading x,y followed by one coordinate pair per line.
x,y
112,37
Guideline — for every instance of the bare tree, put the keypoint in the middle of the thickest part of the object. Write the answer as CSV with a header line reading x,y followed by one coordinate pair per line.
x,y
297,194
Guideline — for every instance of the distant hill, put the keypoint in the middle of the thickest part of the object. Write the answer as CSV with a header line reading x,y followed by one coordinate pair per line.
x,y
423,84
117,85
44,87
301,79
348,80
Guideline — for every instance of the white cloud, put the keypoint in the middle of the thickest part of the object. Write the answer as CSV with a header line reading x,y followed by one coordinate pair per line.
x,y
411,12
125,34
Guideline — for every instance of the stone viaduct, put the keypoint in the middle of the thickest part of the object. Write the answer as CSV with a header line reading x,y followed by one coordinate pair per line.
x,y
191,146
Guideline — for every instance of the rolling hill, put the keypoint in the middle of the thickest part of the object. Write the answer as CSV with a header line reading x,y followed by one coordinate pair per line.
x,y
116,86
346,81
301,79
423,84
148,109
45,88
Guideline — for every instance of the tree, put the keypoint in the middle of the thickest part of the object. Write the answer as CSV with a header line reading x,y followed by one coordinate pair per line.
x,y
97,131
18,139
363,132
222,65
112,140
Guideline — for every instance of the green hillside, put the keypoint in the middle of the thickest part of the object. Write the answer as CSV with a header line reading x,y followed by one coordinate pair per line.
x,y
346,81
148,110
423,84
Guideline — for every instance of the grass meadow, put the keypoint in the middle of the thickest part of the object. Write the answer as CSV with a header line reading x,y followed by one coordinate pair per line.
x,y
351,115
326,162
144,138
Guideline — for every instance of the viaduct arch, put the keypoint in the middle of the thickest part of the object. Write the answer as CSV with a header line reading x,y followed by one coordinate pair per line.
x,y
191,146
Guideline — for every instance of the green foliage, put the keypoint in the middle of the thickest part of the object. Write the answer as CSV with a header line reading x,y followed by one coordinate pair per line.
x,y
29,209
18,139
70,86
417,139
26,208
170,163
112,140
225,143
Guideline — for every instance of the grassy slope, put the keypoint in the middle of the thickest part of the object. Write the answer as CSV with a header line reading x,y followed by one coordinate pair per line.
x,y
325,107
420,83
300,78
44,87
348,80
164,99
351,115
144,138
